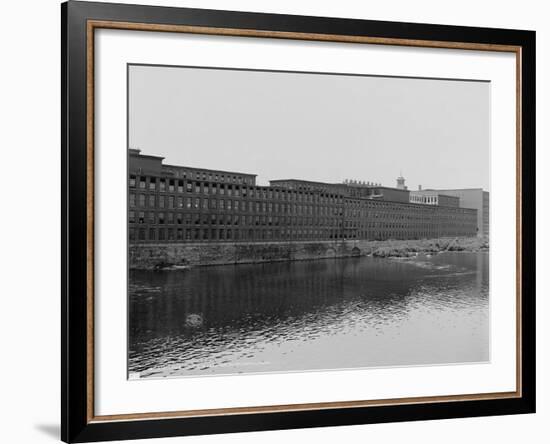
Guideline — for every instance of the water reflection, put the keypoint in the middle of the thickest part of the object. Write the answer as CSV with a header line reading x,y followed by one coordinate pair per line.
x,y
337,313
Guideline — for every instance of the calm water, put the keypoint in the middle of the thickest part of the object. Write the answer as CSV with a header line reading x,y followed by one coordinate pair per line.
x,y
327,314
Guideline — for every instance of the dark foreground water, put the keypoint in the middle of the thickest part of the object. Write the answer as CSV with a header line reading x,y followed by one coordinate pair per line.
x,y
326,314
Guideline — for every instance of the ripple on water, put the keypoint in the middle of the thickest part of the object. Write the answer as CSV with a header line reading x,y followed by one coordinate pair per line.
x,y
340,313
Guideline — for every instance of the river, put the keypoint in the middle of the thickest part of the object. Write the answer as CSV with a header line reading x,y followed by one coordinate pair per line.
x,y
310,315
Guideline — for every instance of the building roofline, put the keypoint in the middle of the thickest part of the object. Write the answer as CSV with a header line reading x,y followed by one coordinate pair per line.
x,y
147,156
137,153
339,184
453,189
209,170
433,191
306,181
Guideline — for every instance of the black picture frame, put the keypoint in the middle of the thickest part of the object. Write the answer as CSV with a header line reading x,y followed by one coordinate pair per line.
x,y
76,423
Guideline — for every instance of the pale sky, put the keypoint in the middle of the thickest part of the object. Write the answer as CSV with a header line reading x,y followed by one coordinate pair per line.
x,y
314,126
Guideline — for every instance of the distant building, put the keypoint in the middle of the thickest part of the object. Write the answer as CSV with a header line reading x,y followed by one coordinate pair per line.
x,y
350,188
434,197
169,203
475,198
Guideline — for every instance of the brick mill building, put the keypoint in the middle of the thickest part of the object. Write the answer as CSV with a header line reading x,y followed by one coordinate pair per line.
x,y
183,204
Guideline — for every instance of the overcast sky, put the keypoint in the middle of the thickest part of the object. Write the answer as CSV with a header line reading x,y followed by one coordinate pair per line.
x,y
314,127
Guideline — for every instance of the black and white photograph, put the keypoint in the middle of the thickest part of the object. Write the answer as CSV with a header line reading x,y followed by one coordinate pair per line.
x,y
232,221
285,221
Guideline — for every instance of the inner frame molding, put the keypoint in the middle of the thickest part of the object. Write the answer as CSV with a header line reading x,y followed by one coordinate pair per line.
x,y
92,25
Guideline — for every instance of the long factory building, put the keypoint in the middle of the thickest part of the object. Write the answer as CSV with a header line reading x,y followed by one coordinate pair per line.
x,y
169,203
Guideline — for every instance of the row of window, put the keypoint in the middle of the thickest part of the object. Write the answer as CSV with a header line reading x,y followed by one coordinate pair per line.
x,y
403,234
179,218
181,186
177,202
362,205
156,218
189,234
178,185
210,175
152,234
467,225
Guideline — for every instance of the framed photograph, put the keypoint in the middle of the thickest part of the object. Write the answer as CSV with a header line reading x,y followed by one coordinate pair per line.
x,y
275,221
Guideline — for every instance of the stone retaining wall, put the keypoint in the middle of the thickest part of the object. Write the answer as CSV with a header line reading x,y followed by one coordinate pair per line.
x,y
155,256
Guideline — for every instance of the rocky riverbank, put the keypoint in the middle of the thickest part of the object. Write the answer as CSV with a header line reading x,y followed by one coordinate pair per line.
x,y
149,256
430,246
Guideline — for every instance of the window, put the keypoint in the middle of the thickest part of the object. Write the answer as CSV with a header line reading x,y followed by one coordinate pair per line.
x,y
171,202
161,218
180,186
131,217
132,202
151,201
162,184
132,181
171,183
141,219
142,183
152,183
162,201
142,200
